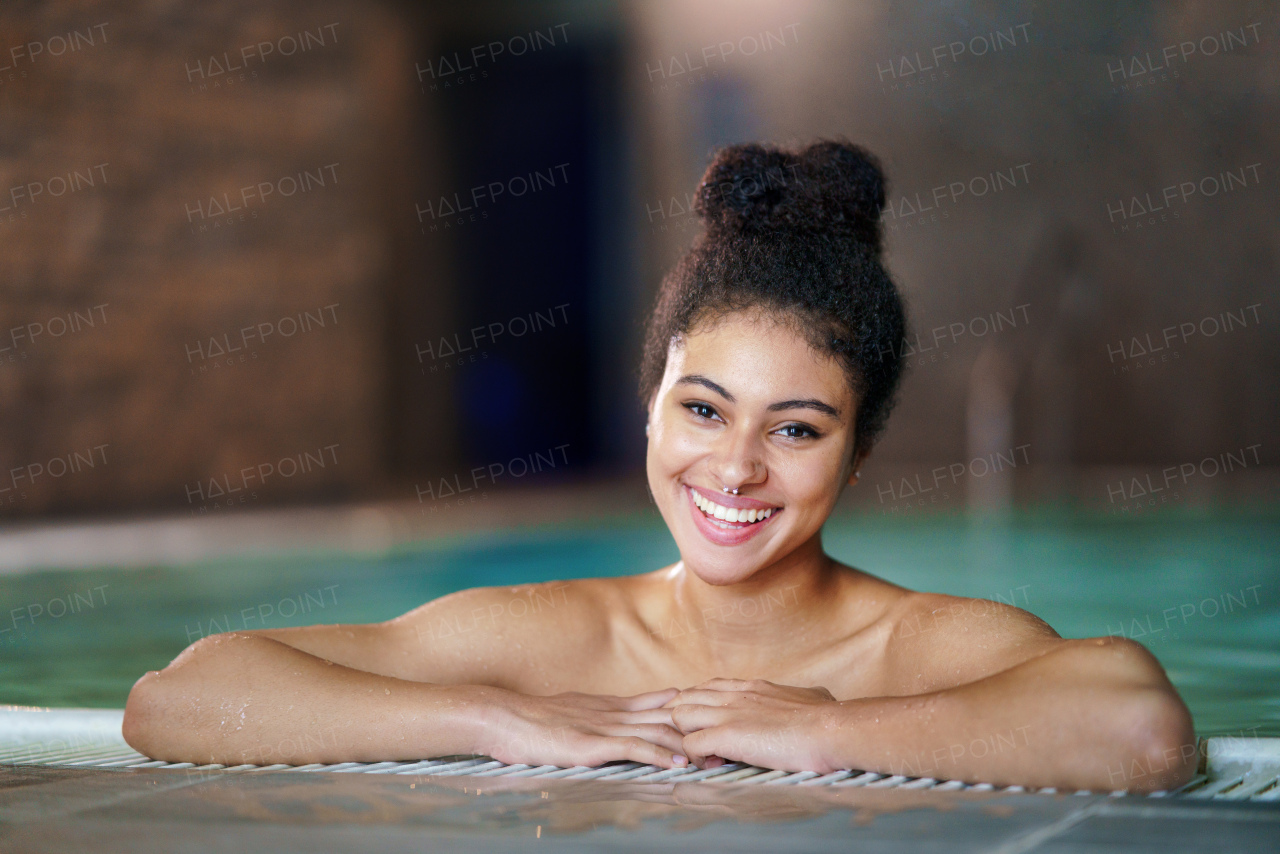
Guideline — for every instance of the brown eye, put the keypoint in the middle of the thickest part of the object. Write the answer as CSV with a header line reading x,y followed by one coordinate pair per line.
x,y
700,409
799,431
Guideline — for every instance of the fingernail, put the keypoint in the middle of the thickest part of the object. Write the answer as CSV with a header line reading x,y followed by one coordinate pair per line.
x,y
680,761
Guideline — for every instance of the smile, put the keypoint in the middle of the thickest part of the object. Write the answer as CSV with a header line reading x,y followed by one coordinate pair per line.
x,y
729,517
732,522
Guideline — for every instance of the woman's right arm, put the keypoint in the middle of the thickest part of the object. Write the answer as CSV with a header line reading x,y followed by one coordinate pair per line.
x,y
248,699
245,698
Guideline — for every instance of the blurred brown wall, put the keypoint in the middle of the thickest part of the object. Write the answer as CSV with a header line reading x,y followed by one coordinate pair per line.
x,y
126,133
1050,129
202,252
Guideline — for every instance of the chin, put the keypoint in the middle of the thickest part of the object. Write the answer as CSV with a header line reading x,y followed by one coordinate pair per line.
x,y
719,571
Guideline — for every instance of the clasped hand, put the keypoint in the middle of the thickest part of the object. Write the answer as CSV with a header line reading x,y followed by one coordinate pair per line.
x,y
756,722
751,721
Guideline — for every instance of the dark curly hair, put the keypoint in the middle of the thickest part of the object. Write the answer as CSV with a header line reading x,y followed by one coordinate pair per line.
x,y
796,234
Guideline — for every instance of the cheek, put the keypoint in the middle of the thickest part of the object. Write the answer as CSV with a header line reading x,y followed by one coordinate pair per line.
x,y
810,479
672,449
661,464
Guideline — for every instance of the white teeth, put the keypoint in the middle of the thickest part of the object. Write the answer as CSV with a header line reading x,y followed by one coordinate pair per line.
x,y
723,516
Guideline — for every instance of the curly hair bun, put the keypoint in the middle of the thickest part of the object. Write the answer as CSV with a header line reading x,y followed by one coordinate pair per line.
x,y
830,186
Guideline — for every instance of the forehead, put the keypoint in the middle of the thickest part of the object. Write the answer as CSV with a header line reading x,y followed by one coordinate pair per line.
x,y
755,355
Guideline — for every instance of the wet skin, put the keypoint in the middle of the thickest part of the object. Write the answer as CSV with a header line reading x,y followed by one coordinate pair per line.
x,y
756,646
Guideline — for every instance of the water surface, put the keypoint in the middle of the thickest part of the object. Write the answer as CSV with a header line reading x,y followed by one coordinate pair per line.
x,y
1200,591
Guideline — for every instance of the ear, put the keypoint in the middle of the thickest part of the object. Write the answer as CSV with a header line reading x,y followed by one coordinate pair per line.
x,y
855,470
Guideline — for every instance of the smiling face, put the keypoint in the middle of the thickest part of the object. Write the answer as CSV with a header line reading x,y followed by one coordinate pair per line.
x,y
747,403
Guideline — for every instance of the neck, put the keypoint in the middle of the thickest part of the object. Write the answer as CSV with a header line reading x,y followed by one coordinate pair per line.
x,y
738,628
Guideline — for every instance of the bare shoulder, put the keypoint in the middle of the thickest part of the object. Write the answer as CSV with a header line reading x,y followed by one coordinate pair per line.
x,y
494,635
936,641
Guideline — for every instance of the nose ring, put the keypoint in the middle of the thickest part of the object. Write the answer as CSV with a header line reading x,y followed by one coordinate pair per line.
x,y
727,489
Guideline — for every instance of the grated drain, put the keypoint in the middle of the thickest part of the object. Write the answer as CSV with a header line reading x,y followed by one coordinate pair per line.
x,y
1236,769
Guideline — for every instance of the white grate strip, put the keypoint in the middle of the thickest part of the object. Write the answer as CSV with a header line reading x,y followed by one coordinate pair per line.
x,y
1235,771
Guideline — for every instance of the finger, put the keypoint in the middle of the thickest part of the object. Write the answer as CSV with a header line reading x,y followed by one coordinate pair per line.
x,y
599,702
695,759
705,697
647,700
722,684
635,749
700,752
706,746
660,734
645,716
692,718
758,686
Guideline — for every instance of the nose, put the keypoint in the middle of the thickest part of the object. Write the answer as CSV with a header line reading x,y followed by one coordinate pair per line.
x,y
737,458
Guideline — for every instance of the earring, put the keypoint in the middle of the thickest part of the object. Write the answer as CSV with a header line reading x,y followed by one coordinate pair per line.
x,y
646,429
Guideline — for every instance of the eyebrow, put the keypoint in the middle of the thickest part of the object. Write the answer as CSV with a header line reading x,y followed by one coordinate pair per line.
x,y
806,403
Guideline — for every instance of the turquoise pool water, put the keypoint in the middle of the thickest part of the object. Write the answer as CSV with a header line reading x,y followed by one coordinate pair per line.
x,y
1199,590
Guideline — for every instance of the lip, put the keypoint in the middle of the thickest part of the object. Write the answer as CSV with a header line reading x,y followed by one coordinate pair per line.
x,y
727,536
738,502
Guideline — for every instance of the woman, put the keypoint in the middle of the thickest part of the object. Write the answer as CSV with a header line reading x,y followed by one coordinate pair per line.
x,y
770,367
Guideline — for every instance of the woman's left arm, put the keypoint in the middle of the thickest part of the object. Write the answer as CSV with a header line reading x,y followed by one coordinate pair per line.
x,y
1095,714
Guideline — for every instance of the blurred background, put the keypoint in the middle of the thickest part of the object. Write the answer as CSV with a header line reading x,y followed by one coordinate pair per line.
x,y
311,312
276,254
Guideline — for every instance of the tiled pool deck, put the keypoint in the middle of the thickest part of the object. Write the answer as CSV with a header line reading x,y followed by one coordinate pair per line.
x,y
478,805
